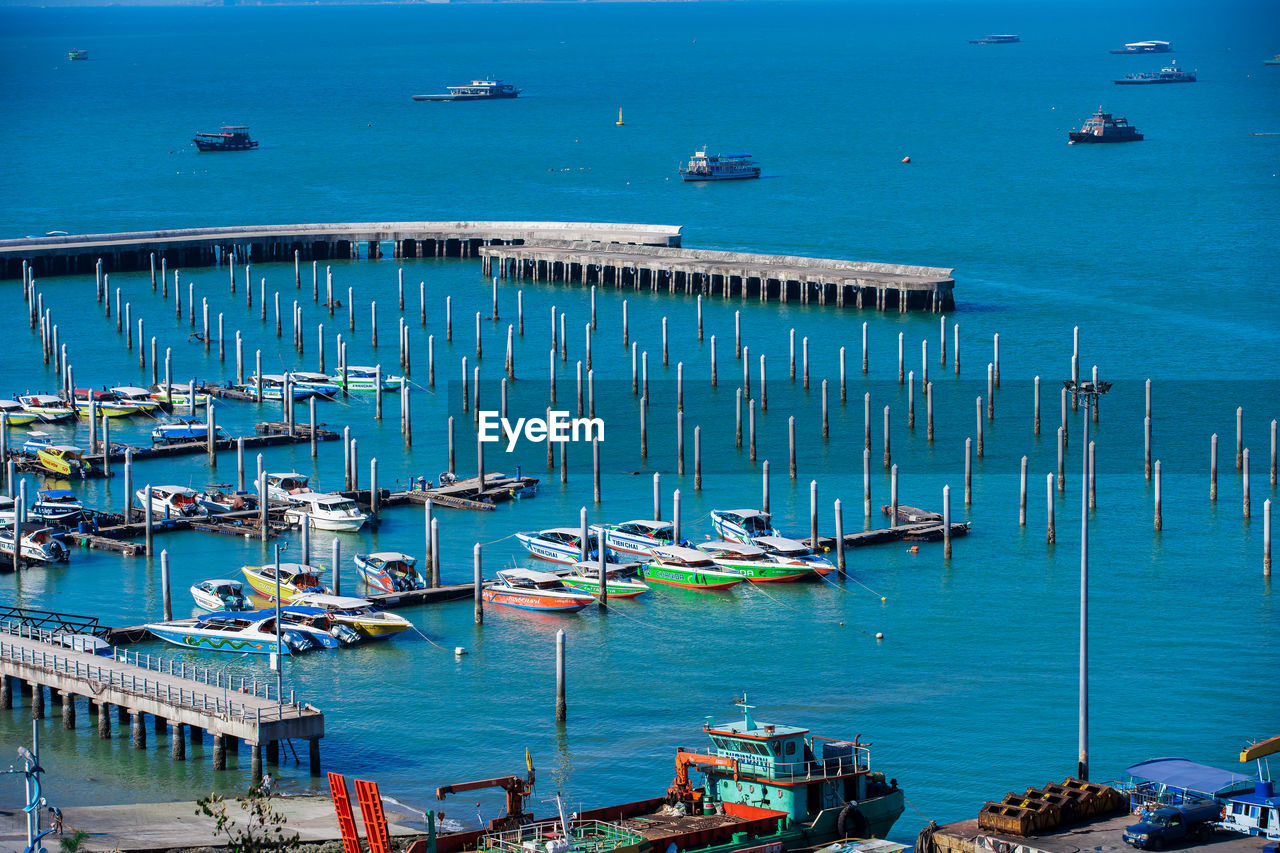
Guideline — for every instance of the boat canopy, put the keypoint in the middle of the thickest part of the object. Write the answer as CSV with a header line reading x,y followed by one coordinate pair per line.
x,y
56,495
781,544
528,575
1187,775
738,549
682,554
332,602
391,557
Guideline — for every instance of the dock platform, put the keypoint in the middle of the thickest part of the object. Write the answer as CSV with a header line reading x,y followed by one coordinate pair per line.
x,y
1102,836
925,531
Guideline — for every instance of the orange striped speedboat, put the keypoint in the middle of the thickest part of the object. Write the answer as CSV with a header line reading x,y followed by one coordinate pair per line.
x,y
526,589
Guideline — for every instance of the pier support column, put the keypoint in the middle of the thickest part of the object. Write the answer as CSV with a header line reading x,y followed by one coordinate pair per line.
x,y
177,744
37,701
314,750
273,752
255,764
104,721
219,752
139,730
6,692
68,710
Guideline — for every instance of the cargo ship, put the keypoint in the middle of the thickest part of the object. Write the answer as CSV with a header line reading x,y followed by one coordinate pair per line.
x,y
719,167
768,788
1170,74
1104,127
232,137
476,90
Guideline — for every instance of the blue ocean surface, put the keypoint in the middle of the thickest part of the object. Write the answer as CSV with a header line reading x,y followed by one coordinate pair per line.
x,y
1163,253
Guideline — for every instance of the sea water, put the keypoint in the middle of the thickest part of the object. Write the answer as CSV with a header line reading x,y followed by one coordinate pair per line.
x,y
1163,253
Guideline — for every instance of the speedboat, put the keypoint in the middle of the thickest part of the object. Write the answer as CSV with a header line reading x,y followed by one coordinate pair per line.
x,y
319,626
15,414
324,511
135,396
365,378
64,459
172,502
526,589
48,407
356,613
176,429
318,384
105,403
220,594
239,633
792,549
179,395
742,525
622,580
273,387
295,578
688,568
38,543
637,538
558,544
8,511
754,564
389,571
281,487
56,506
217,502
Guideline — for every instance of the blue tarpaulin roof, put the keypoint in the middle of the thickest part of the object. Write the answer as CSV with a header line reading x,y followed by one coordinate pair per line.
x,y
1187,775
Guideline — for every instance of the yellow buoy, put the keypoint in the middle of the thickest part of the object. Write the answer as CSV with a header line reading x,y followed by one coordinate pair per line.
x,y
620,121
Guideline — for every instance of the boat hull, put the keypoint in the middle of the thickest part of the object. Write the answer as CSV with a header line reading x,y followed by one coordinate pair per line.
x,y
552,551
1077,138
689,578
689,177
767,572
617,589
225,146
525,601
218,641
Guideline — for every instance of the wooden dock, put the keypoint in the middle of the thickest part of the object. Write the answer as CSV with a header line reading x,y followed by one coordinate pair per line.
x,y
927,531
176,695
782,278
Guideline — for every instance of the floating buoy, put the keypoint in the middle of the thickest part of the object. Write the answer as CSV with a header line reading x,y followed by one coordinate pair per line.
x,y
459,651
914,549
906,159
879,635
620,121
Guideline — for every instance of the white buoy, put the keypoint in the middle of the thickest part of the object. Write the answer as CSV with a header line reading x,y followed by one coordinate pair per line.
x,y
879,636
459,651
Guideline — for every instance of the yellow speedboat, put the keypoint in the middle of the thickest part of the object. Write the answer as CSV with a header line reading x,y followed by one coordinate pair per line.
x,y
15,415
107,404
357,613
133,395
64,459
295,579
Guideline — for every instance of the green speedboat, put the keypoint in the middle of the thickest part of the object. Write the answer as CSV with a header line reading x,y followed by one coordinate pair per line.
x,y
688,568
755,564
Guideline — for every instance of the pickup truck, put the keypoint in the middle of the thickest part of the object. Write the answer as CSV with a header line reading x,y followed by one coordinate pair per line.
x,y
1170,825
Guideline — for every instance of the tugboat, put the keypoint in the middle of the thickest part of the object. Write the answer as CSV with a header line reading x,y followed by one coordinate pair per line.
x,y
1170,74
997,39
768,788
476,90
1103,127
719,167
1145,47
232,137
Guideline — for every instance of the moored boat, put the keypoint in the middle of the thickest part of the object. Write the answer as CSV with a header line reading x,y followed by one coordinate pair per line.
x,y
295,578
558,544
318,384
140,397
1169,74
106,404
719,167
742,525
525,589
251,633
1104,127
77,55
688,568
38,543
220,594
216,501
60,507
171,502
319,626
361,378
622,580
15,415
177,429
232,137
356,613
179,395
48,407
754,563
389,571
66,460
793,549
324,511
282,486
637,537
273,387
476,90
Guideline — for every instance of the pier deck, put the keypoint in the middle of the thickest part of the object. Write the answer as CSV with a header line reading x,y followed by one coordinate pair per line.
x,y
925,531
1102,836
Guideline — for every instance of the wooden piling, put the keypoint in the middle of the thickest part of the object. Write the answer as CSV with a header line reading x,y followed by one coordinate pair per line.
x,y
1022,495
866,421
968,471
791,446
866,482
826,425
479,345
664,341
166,596
1093,490
864,347
657,496
435,552
1244,482
991,393
901,361
978,408
1062,450
336,561
838,509
1266,538
595,471
626,334
478,584
946,521
1051,533
1159,513
911,400
751,429
887,457
804,360
699,318
263,505
737,334
893,496
1213,468
764,485
813,511
714,382
562,708
680,443
928,405
746,371
764,388
448,319
644,427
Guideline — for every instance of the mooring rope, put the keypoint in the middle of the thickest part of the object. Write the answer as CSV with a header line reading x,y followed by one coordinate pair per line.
x,y
855,580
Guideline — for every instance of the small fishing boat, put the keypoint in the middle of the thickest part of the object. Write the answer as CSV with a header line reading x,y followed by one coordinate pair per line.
x,y
754,564
179,395
39,544
15,415
281,487
179,429
239,633
688,568
622,580
273,387
48,407
362,378
140,397
66,460
221,594
56,506
792,549
295,578
318,384
215,501
232,137
526,589
389,571
356,613
324,511
742,525
558,544
172,502
105,403
636,538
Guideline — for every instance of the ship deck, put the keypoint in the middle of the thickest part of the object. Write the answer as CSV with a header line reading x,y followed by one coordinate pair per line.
x,y
656,826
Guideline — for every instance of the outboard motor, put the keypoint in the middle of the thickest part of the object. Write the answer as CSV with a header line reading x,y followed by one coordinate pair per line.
x,y
345,634
297,641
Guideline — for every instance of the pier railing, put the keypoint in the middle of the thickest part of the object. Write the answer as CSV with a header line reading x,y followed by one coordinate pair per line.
x,y
224,701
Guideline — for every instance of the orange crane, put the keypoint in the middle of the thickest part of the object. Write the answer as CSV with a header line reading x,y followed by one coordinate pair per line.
x,y
681,789
517,788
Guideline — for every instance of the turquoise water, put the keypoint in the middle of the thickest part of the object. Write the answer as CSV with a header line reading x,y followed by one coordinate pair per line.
x,y
1158,252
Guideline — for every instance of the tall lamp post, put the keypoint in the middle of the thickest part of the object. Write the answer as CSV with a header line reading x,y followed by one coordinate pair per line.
x,y
1087,392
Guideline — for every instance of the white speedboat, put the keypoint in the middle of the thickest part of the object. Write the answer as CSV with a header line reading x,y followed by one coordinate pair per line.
x,y
48,407
636,538
622,580
525,589
317,384
16,415
38,543
273,387
220,594
176,429
172,502
356,613
140,397
365,378
179,395
237,633
8,511
218,502
754,563
558,544
780,546
325,511
742,525
281,487
56,506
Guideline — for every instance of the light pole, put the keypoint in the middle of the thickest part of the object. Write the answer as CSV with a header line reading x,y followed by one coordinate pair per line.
x,y
1088,393
279,662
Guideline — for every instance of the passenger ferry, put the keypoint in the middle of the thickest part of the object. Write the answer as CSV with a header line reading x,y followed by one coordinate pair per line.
x,y
476,90
1103,127
1145,47
1170,74
719,167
